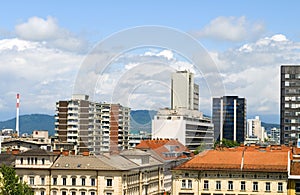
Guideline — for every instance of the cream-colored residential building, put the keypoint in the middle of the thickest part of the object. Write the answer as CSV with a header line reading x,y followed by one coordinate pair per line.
x,y
132,172
239,171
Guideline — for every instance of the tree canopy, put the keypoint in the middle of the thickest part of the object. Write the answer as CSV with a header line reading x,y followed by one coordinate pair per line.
x,y
10,183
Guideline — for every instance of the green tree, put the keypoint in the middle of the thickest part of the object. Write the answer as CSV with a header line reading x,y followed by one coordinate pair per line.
x,y
226,143
10,183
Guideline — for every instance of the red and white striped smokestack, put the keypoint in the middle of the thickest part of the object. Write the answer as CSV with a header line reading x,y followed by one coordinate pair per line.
x,y
17,115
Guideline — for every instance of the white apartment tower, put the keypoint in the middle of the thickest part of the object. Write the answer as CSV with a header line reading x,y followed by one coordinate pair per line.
x,y
254,129
91,126
184,92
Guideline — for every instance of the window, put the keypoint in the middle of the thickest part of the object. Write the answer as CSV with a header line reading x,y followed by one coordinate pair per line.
x,y
83,181
205,185
93,193
183,184
54,181
21,179
108,193
243,185
43,180
255,186
279,187
35,161
73,193
43,161
230,185
64,181
82,193
268,187
54,193
218,185
190,184
93,182
31,180
63,193
109,182
73,181
42,192
21,161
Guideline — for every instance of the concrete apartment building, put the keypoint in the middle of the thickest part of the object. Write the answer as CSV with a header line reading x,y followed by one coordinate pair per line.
x,y
290,104
229,118
131,172
183,121
254,129
91,126
235,171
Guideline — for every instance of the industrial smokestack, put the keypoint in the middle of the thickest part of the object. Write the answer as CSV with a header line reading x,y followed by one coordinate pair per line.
x,y
17,115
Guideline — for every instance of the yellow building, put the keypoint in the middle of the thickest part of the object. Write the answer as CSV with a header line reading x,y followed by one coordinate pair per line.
x,y
238,171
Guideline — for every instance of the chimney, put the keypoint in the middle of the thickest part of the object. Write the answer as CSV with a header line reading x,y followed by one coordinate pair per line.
x,y
15,151
65,152
85,153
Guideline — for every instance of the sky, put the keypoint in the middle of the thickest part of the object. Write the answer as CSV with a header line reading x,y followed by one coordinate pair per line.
x,y
45,45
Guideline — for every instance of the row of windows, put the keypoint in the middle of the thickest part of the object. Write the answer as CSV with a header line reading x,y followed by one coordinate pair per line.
x,y
64,181
188,184
32,161
74,193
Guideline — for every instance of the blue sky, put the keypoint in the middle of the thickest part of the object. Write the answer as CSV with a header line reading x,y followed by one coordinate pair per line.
x,y
42,45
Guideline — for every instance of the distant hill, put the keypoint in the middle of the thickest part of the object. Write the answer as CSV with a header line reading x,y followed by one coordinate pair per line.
x,y
31,122
141,120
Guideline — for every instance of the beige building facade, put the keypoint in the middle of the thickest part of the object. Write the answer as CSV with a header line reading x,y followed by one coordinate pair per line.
x,y
130,172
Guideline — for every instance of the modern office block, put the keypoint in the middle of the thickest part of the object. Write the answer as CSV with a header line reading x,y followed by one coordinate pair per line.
x,y
184,92
290,104
229,118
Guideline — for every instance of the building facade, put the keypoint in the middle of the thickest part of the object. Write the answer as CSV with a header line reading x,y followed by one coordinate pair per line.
x,y
229,118
91,126
254,129
169,151
239,171
184,92
290,104
190,127
131,172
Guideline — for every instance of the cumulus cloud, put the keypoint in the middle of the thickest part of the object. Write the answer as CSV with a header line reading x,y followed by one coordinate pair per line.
x,y
253,71
48,31
230,29
41,75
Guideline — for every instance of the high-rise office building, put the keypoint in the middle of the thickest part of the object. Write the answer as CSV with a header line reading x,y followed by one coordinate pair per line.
x,y
184,92
290,104
91,126
184,121
229,118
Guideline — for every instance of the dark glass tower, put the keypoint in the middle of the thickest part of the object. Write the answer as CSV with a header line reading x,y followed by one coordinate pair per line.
x,y
290,104
229,118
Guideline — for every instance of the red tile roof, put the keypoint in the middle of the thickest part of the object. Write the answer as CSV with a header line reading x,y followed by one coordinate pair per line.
x,y
165,146
241,158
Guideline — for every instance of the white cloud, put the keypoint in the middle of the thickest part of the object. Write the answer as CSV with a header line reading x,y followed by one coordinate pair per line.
x,y
48,31
41,75
230,29
253,71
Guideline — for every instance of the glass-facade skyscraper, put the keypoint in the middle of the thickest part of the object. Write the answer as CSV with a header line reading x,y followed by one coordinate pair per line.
x,y
229,118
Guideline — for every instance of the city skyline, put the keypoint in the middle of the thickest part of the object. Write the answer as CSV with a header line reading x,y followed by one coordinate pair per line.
x,y
43,46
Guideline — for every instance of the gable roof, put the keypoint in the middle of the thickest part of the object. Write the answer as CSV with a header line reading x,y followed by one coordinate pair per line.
x,y
37,152
165,149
